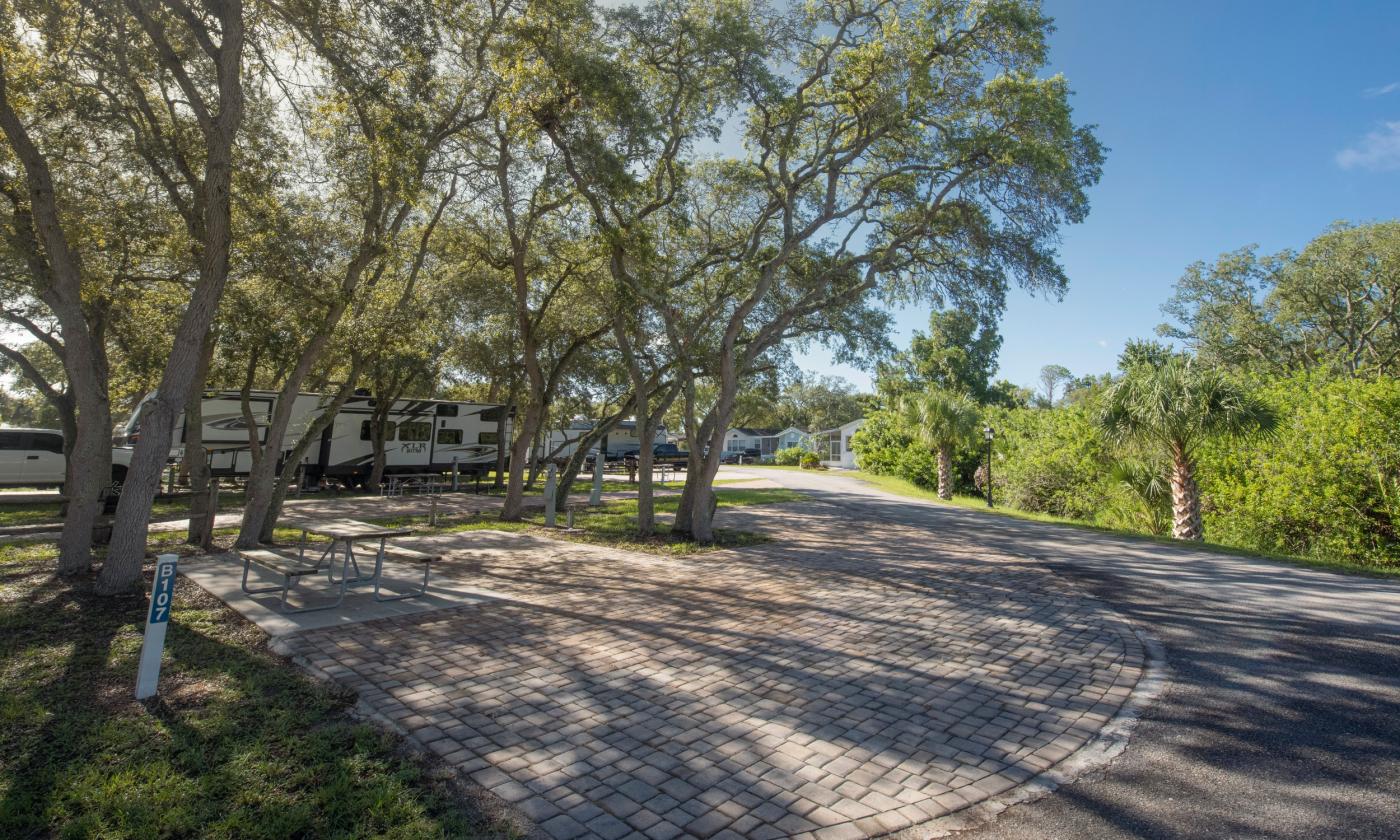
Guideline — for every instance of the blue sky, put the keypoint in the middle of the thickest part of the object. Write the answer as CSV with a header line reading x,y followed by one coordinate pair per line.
x,y
1228,123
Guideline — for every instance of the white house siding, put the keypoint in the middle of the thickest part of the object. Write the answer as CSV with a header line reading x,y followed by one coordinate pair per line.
x,y
834,445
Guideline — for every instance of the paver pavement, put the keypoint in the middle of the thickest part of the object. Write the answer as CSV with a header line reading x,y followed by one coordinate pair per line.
x,y
843,681
1282,719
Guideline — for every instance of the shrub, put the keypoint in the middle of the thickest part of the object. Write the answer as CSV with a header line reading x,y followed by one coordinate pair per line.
x,y
811,461
1327,484
789,457
881,442
1052,461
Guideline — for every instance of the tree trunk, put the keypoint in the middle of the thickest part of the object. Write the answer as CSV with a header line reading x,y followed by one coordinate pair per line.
x,y
646,433
695,437
126,555
576,461
379,422
703,500
57,270
501,439
268,459
88,480
514,508
196,459
1186,497
945,473
303,445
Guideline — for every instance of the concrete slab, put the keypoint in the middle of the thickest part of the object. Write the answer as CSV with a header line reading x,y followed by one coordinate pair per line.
x,y
221,576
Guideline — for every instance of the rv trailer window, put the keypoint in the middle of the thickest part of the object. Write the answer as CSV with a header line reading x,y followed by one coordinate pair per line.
x,y
487,437
446,410
389,429
491,415
415,431
449,436
11,440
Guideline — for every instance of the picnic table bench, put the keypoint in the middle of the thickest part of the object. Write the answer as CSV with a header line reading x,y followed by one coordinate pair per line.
x,y
399,483
293,563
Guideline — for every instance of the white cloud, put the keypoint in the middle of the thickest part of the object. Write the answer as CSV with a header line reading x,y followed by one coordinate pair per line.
x,y
1103,342
1378,151
1383,90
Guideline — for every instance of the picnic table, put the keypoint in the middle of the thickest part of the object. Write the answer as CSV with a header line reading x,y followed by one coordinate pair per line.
x,y
294,563
398,483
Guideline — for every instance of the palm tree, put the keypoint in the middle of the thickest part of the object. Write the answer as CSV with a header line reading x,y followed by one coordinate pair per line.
x,y
941,420
1174,403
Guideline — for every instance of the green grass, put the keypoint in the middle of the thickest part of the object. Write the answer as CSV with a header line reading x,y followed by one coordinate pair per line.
x,y
613,524
238,744
902,487
178,508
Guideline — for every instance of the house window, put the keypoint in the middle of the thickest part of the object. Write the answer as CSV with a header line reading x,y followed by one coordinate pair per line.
x,y
735,445
389,429
449,436
415,431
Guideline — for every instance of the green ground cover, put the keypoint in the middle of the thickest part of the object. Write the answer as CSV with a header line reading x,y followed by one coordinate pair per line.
x,y
903,487
239,743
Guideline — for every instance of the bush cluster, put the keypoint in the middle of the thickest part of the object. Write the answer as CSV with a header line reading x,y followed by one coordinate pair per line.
x,y
1326,484
789,457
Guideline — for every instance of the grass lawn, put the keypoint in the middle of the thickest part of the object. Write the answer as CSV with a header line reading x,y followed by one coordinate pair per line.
x,y
177,508
238,744
902,487
613,523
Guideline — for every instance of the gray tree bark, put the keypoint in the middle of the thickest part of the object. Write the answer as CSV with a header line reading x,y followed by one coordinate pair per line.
x,y
125,556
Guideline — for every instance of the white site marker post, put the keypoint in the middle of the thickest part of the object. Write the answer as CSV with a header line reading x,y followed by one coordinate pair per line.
x,y
596,497
162,594
549,481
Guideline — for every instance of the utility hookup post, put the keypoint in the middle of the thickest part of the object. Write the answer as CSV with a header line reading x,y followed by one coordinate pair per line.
x,y
549,481
596,497
162,594
454,473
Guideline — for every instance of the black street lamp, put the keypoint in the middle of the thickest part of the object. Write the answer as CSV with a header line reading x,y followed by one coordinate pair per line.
x,y
990,435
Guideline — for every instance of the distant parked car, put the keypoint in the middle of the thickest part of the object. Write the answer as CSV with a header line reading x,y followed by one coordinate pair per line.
x,y
752,455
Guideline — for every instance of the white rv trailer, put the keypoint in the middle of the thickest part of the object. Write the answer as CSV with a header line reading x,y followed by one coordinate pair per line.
x,y
422,436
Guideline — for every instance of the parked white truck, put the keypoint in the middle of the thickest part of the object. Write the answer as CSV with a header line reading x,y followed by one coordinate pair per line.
x,y
421,436
34,458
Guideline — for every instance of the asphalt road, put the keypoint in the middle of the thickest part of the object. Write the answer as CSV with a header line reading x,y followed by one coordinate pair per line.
x,y
1282,713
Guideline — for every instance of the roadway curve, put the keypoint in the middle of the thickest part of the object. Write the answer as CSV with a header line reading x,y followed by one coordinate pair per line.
x,y
1281,717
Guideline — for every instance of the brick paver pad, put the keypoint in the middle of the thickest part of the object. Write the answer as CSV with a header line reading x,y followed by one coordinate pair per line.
x,y
846,680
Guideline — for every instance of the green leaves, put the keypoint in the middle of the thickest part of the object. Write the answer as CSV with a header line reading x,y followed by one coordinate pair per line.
x,y
939,418
1179,402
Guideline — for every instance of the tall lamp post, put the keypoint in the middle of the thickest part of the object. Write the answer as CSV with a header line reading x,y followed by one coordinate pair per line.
x,y
990,435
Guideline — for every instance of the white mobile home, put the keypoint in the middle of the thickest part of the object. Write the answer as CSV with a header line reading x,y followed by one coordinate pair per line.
x,y
766,441
740,439
834,445
420,435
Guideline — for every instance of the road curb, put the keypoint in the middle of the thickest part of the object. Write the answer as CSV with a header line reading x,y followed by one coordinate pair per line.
x,y
1100,752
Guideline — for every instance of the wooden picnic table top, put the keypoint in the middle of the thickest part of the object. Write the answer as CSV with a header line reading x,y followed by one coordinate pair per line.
x,y
347,529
